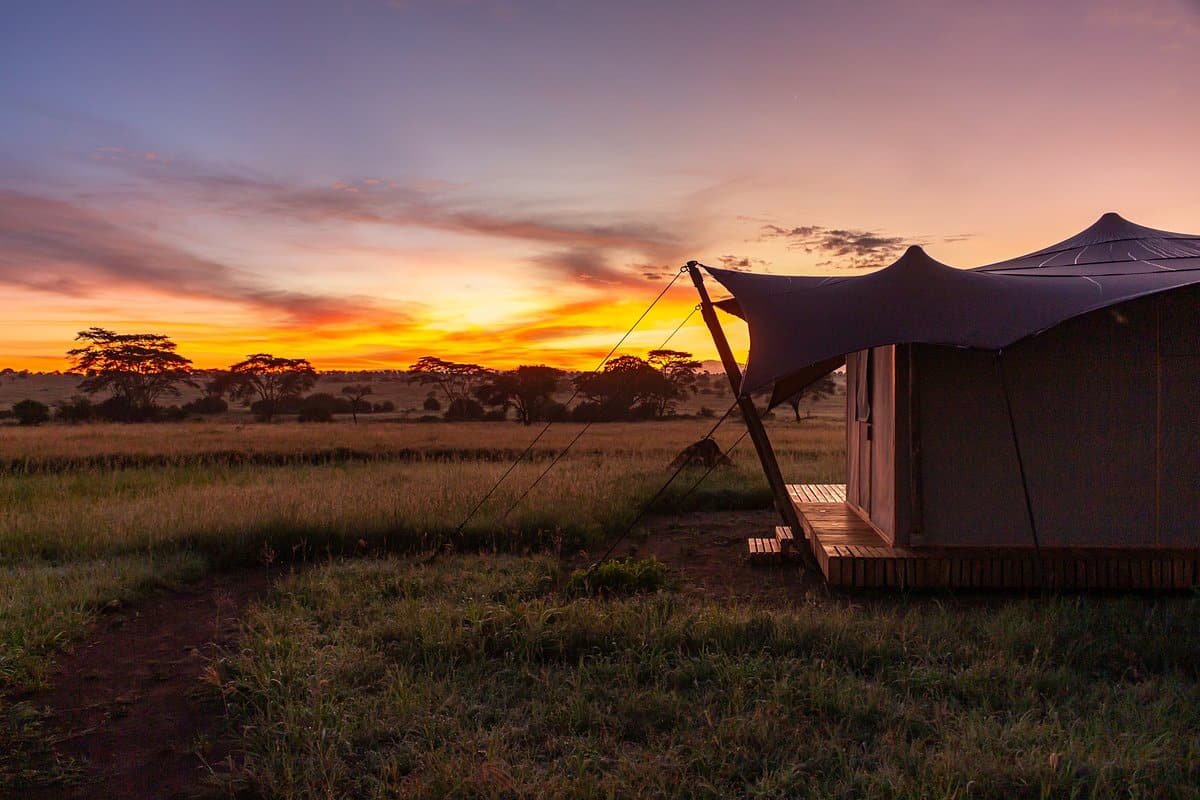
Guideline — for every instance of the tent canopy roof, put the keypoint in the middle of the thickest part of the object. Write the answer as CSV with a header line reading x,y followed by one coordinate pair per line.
x,y
798,323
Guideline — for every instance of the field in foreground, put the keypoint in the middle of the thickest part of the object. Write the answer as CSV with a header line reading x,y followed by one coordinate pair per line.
x,y
482,675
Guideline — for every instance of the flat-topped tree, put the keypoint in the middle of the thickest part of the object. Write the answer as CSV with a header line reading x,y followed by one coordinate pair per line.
x,y
456,380
528,390
627,388
271,379
136,368
356,393
814,393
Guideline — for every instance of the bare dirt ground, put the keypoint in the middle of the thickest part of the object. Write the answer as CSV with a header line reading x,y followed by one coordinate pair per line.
x,y
708,551
128,703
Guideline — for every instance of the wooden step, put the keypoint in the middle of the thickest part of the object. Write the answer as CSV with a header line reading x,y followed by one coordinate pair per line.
x,y
787,542
764,550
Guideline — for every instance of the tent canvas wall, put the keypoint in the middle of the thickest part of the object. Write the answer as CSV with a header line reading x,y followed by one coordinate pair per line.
x,y
1066,378
1107,417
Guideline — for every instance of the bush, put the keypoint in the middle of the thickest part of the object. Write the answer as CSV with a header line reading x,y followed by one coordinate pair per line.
x,y
319,407
464,408
553,411
206,405
385,406
264,411
624,576
431,404
496,415
77,409
31,412
589,412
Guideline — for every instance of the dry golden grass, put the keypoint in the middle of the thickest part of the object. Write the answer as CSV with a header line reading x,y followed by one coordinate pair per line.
x,y
184,440
233,512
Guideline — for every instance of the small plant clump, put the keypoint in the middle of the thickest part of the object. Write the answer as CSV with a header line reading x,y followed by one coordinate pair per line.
x,y
31,412
623,576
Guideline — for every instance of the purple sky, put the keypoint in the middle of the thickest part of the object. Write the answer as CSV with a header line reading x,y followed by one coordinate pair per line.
x,y
365,182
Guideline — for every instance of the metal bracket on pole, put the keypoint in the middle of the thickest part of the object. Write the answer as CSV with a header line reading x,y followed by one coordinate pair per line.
x,y
754,426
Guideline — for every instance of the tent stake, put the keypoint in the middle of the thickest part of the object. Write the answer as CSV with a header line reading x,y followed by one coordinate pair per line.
x,y
754,426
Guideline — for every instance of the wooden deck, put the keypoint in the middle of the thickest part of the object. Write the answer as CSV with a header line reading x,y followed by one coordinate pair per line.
x,y
852,553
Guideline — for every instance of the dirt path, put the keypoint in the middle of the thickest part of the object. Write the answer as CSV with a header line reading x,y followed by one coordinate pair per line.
x,y
708,548
125,700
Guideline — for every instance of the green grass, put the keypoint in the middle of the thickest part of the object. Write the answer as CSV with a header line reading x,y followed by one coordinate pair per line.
x,y
496,676
478,677
94,513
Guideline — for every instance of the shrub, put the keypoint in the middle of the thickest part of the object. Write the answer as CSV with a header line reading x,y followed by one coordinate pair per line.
x,y
319,407
554,411
265,410
464,408
385,406
206,405
78,409
589,412
431,404
31,412
171,414
623,576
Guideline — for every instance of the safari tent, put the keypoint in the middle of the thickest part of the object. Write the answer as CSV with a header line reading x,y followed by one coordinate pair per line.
x,y
1030,422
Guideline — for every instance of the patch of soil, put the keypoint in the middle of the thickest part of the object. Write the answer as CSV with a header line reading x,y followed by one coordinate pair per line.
x,y
128,701
708,550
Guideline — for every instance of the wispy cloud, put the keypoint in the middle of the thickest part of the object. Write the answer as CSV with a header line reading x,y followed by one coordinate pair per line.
x,y
604,251
845,247
741,263
61,247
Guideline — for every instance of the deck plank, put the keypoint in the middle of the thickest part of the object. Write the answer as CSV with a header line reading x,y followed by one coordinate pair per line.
x,y
852,552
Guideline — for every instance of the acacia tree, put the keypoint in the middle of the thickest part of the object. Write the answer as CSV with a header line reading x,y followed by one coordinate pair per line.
x,y
813,393
528,389
136,368
272,380
680,370
627,387
356,393
457,381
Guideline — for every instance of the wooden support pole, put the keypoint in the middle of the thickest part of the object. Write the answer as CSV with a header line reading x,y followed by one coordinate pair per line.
x,y
754,426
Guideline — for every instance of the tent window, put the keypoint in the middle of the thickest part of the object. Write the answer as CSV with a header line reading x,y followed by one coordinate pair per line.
x,y
864,375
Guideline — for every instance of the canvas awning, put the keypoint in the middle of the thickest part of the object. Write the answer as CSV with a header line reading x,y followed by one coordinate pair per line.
x,y
801,325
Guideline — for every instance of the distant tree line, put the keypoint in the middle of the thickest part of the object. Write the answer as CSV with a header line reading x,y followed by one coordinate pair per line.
x,y
627,388
130,377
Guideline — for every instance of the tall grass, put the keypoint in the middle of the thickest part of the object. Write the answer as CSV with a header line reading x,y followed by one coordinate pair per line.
x,y
475,677
233,513
179,441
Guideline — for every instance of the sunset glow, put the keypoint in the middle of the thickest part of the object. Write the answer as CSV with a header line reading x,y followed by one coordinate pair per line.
x,y
364,182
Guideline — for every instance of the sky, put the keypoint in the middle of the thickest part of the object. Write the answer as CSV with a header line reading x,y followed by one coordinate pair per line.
x,y
362,182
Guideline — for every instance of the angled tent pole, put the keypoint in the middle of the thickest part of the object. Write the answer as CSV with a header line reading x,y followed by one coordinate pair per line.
x,y
754,426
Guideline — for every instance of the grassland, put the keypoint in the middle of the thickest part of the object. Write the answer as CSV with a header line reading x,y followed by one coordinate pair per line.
x,y
340,488
484,675
479,677
224,494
